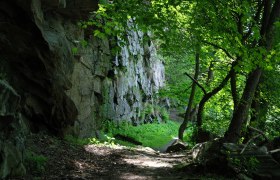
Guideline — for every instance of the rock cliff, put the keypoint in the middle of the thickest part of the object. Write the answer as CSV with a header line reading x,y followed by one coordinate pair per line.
x,y
44,85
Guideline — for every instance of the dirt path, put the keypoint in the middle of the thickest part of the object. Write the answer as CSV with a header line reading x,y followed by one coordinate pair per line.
x,y
68,161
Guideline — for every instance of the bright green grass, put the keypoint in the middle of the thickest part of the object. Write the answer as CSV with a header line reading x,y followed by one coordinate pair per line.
x,y
151,135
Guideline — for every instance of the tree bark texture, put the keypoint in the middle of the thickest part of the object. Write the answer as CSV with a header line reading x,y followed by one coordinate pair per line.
x,y
242,111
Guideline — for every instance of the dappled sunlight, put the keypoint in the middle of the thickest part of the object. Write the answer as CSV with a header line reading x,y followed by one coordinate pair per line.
x,y
96,151
133,176
145,162
80,165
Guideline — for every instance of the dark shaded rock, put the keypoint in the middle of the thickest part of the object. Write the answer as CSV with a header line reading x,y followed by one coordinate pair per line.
x,y
33,68
274,144
11,133
276,154
176,147
254,161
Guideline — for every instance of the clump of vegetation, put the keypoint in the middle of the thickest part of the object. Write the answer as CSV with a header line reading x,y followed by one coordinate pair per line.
x,y
36,162
107,140
245,164
189,134
158,113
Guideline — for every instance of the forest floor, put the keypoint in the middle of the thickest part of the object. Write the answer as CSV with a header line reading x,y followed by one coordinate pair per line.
x,y
54,158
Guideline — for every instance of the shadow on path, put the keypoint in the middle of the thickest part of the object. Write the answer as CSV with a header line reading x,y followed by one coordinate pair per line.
x,y
68,161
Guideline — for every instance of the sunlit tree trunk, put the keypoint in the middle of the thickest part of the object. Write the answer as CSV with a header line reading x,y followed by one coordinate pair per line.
x,y
187,116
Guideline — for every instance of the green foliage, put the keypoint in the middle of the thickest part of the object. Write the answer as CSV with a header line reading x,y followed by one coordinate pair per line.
x,y
272,125
107,140
227,31
245,164
189,134
74,50
218,112
79,46
36,162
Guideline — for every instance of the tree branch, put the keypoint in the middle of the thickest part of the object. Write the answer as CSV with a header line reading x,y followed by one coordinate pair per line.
x,y
246,145
197,83
256,18
219,47
259,131
274,15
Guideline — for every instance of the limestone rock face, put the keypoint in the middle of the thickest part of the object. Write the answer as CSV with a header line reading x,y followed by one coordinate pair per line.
x,y
67,91
107,87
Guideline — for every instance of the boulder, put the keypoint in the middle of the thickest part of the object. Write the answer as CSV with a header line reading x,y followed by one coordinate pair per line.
x,y
176,147
275,154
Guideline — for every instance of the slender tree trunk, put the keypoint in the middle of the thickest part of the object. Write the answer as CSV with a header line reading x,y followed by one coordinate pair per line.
x,y
234,93
259,110
210,74
187,116
242,111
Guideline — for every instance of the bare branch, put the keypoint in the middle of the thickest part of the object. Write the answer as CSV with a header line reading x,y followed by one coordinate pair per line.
x,y
197,83
246,145
259,131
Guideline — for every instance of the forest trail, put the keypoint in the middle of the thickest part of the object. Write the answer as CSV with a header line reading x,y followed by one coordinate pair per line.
x,y
68,161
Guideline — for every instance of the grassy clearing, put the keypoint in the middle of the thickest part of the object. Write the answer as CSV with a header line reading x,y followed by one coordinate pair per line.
x,y
150,135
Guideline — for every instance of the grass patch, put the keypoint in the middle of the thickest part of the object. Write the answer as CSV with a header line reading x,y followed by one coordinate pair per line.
x,y
150,135
153,135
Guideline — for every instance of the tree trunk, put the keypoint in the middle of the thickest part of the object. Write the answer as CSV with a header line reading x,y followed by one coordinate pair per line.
x,y
234,93
207,96
271,13
187,116
242,111
259,110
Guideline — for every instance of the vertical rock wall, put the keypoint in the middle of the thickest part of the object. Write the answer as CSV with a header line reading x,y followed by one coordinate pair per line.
x,y
61,90
108,87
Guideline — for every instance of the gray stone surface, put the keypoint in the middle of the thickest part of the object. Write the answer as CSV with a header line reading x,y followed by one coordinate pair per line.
x,y
56,90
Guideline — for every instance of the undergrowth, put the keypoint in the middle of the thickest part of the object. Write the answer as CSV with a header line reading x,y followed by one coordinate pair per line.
x,y
35,162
